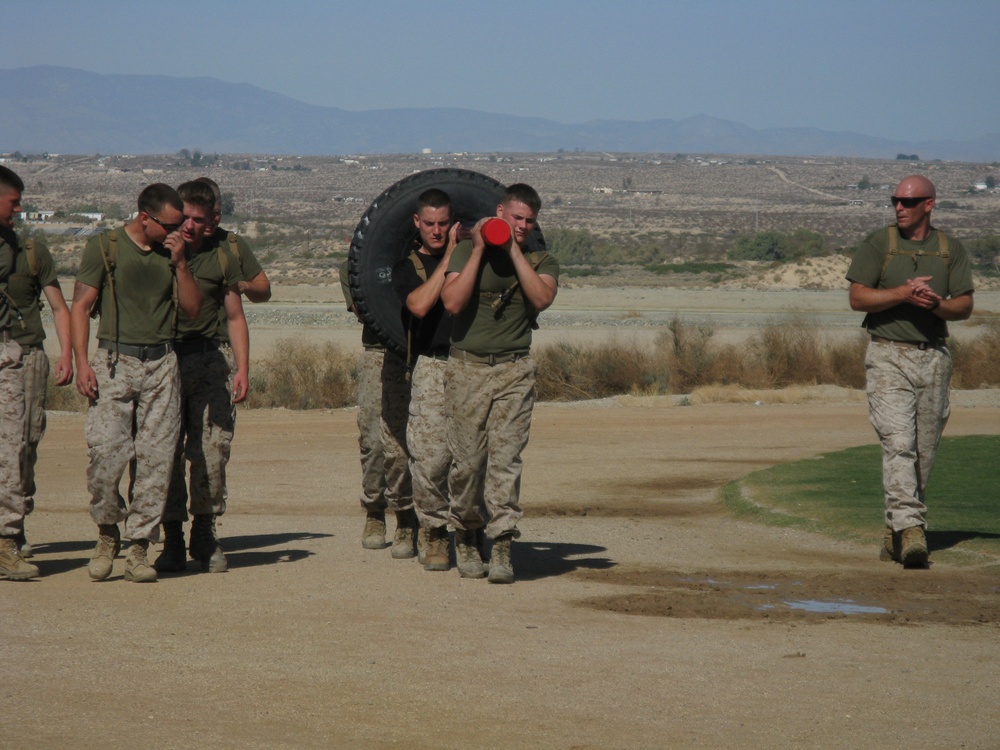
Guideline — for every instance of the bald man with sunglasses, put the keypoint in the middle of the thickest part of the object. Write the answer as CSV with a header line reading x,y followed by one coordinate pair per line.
x,y
910,279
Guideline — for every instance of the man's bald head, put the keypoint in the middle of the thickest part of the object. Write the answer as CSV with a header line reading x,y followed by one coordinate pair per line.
x,y
916,186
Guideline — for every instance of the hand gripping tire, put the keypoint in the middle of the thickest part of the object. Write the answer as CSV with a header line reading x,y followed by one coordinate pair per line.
x,y
386,233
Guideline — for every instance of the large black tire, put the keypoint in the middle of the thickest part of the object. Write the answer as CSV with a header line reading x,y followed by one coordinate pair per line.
x,y
386,233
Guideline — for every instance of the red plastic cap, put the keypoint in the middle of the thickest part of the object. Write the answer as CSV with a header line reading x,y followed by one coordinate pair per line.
x,y
496,232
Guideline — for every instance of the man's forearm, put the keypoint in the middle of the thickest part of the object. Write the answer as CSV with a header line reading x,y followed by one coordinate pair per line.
x,y
422,299
955,308
257,289
189,294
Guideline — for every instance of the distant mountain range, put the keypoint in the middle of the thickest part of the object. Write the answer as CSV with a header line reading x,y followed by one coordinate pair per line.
x,y
69,111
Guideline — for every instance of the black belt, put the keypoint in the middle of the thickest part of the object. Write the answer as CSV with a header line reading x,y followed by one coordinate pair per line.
x,y
487,359
196,346
921,345
142,353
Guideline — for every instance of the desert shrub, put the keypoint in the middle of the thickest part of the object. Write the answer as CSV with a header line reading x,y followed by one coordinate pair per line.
x,y
572,373
778,246
685,349
977,361
299,375
570,245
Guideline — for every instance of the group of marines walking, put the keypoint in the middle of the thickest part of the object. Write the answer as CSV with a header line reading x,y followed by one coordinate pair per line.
x,y
442,429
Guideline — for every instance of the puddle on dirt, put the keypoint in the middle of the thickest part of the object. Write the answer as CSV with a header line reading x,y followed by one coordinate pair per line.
x,y
836,607
961,597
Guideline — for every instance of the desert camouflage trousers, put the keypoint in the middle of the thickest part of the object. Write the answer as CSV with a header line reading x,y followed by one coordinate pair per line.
x,y
134,419
208,420
370,429
908,404
36,378
489,410
395,411
427,440
12,501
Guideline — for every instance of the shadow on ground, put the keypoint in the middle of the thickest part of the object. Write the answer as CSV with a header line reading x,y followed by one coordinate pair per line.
x,y
940,540
241,552
536,560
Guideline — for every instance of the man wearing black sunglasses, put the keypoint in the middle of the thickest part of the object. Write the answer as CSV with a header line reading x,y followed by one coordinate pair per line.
x,y
910,279
136,278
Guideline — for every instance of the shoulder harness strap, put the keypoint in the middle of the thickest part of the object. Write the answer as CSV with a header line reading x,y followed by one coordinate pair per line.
x,y
234,248
109,254
893,248
31,253
414,321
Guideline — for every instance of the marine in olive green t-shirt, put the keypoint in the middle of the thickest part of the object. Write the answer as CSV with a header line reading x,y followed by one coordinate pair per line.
x,y
143,290
480,328
950,277
207,267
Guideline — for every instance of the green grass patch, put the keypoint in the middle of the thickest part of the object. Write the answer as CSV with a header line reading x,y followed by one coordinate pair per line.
x,y
840,494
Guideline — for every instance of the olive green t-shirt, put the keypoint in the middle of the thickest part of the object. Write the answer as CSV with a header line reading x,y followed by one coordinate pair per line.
x,y
26,288
206,265
7,245
479,328
950,278
143,288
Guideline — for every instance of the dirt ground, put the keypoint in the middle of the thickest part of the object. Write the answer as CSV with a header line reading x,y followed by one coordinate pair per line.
x,y
643,615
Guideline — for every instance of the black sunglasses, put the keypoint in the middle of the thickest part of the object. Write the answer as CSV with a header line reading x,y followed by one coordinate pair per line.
x,y
909,202
168,228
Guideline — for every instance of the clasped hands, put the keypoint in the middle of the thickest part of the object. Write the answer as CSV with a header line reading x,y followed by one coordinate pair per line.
x,y
920,294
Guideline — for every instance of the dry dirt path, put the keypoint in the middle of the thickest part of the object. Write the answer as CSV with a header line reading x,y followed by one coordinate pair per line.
x,y
310,641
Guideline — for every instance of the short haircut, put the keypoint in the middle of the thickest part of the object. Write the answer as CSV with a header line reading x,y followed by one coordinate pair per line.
x,y
434,198
156,196
214,185
9,178
523,194
197,194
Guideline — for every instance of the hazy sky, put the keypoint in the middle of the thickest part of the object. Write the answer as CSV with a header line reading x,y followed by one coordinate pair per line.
x,y
912,69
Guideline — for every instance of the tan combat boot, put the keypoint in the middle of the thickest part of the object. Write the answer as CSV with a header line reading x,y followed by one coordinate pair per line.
x,y
137,569
914,548
467,556
501,569
205,546
12,565
109,543
373,537
404,543
436,556
890,546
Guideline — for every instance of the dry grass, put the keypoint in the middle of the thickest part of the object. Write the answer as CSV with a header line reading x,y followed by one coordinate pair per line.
x,y
784,355
787,362
572,373
977,362
299,375
64,398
